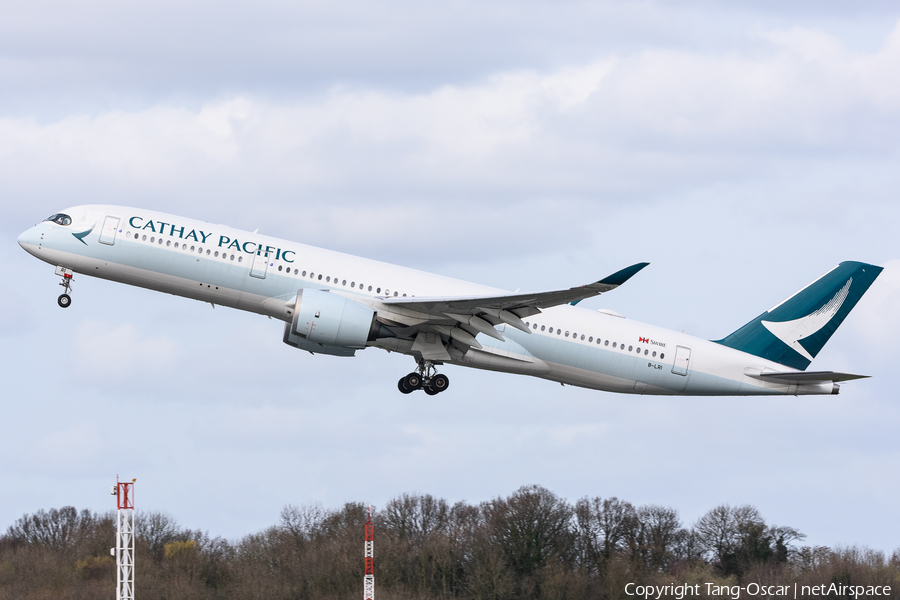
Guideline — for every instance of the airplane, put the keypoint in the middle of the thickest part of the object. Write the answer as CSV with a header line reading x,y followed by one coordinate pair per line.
x,y
336,304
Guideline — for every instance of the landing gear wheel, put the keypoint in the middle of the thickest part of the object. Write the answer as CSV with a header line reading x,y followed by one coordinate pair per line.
x,y
64,300
413,381
401,385
439,383
431,390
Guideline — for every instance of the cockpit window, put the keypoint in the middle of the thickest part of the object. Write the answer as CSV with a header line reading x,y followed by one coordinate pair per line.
x,y
60,219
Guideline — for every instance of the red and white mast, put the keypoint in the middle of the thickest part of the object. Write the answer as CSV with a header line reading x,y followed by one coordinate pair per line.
x,y
124,550
369,577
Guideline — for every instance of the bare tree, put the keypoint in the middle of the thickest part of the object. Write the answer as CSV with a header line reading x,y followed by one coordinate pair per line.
x,y
601,527
531,527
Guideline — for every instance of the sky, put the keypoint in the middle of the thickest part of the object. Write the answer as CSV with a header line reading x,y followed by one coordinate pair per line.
x,y
743,149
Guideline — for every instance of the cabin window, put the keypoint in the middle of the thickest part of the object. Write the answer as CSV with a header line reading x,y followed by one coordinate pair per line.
x,y
387,292
629,348
646,352
662,356
320,277
169,243
327,279
614,344
542,327
152,239
192,248
395,294
567,334
217,254
279,267
582,337
378,291
654,354
143,238
404,295
240,259
606,343
207,252
550,330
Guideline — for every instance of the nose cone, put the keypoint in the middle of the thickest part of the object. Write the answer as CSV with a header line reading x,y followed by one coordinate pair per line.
x,y
29,239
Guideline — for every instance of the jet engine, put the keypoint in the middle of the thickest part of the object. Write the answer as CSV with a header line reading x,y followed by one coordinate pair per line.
x,y
326,323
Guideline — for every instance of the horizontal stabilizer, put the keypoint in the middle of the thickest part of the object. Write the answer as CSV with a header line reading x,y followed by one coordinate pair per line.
x,y
799,377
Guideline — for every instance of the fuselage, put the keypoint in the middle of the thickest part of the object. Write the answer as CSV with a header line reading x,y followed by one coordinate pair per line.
x,y
261,274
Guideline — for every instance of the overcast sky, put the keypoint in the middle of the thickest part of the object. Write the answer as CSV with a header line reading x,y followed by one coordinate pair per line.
x,y
743,149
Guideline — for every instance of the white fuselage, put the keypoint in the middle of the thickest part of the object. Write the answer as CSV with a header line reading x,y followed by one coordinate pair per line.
x,y
228,267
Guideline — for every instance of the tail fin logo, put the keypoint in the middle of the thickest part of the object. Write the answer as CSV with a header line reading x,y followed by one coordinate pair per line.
x,y
791,332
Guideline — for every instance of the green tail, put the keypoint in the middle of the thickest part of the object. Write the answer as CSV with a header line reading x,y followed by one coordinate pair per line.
x,y
794,332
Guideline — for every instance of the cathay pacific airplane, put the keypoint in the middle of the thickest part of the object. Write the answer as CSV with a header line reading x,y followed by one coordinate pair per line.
x,y
334,303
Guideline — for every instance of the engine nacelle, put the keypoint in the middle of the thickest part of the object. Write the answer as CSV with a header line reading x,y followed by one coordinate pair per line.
x,y
329,324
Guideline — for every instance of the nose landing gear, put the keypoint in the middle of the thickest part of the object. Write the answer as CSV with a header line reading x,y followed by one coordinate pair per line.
x,y
65,300
424,378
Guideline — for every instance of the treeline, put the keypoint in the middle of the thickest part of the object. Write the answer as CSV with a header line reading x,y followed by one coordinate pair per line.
x,y
531,544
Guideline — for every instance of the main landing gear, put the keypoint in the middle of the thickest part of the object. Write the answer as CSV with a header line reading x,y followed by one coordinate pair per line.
x,y
65,300
424,378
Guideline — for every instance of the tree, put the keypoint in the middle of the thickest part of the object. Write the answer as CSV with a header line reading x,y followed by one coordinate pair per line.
x,y
736,538
531,528
601,527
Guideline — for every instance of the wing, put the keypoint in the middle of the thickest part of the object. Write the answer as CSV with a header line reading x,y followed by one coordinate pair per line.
x,y
461,318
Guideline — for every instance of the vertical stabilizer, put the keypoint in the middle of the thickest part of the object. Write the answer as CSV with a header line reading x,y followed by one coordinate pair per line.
x,y
793,332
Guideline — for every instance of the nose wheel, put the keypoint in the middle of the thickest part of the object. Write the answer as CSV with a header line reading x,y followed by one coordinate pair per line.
x,y
424,378
65,300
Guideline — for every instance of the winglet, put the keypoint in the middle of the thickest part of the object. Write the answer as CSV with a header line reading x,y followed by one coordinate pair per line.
x,y
618,278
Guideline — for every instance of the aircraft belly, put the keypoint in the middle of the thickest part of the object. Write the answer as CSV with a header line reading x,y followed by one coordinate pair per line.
x,y
600,367
595,380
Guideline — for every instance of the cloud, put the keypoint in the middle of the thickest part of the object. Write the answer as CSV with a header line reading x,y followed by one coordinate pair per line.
x,y
532,145
635,124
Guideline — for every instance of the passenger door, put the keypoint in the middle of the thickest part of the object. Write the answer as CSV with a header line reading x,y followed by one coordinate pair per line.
x,y
108,233
682,360
260,265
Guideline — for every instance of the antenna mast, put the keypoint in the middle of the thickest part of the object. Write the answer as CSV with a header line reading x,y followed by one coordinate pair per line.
x,y
124,550
369,577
